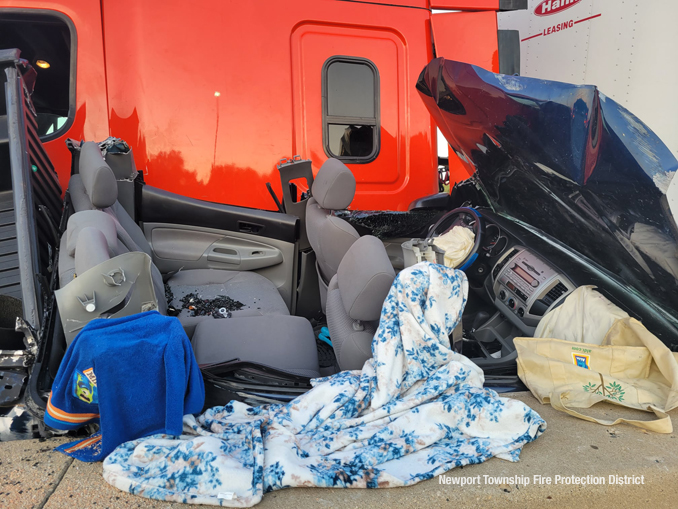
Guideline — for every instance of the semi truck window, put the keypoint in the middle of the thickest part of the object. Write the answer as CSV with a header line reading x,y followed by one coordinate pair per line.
x,y
350,90
47,41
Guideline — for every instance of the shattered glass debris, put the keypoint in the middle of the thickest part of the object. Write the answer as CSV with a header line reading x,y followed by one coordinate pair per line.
x,y
385,224
220,306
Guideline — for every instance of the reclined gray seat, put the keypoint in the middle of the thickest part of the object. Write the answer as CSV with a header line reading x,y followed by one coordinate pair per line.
x,y
330,237
91,237
95,188
355,297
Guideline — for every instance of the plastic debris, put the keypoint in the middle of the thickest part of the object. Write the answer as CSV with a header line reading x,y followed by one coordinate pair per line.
x,y
325,336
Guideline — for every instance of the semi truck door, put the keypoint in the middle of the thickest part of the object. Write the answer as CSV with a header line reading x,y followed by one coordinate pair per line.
x,y
349,101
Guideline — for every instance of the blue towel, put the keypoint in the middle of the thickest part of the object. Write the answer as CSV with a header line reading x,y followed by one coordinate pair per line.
x,y
136,376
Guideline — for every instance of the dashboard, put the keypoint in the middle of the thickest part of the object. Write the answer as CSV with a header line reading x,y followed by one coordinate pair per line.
x,y
516,280
526,287
517,273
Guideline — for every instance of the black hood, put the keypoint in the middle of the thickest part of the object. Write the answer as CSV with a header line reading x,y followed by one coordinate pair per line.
x,y
566,160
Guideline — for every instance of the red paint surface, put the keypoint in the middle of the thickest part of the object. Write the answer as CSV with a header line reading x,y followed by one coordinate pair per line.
x,y
151,80
466,5
266,65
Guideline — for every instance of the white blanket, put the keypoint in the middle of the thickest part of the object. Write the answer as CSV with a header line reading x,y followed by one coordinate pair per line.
x,y
416,410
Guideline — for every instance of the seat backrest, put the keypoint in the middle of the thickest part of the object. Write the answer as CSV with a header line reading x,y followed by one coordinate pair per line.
x,y
330,237
91,237
355,297
95,188
100,189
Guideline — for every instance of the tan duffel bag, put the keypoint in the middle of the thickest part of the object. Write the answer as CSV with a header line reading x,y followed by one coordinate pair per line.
x,y
628,366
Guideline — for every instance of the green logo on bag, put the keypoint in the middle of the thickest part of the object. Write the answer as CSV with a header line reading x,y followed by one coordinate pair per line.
x,y
612,390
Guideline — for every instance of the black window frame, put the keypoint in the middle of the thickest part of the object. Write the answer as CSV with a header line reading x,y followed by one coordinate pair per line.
x,y
73,62
328,120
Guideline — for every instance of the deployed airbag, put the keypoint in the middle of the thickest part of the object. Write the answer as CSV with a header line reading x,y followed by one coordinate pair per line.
x,y
457,244
584,317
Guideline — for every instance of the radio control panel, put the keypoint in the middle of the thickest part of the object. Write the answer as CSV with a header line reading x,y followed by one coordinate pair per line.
x,y
526,287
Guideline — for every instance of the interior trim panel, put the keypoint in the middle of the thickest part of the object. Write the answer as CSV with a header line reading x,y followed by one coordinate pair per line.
x,y
159,206
222,250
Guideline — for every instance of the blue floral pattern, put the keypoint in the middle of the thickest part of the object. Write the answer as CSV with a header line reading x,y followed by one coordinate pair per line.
x,y
415,410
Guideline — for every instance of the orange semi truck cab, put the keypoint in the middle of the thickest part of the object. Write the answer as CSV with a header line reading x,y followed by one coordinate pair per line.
x,y
211,94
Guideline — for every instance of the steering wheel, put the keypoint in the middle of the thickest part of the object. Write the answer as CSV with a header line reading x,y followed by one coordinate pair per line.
x,y
467,218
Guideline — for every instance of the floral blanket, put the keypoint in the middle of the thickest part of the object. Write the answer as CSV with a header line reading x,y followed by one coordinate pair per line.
x,y
416,410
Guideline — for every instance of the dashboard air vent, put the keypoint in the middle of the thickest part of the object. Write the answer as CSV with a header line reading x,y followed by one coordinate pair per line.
x,y
555,293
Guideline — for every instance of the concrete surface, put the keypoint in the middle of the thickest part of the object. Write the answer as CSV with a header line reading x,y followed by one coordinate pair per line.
x,y
32,476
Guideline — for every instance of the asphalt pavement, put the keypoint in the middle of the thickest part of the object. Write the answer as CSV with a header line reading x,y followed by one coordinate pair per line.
x,y
32,475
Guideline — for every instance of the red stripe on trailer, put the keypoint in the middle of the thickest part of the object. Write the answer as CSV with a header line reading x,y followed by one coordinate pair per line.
x,y
586,19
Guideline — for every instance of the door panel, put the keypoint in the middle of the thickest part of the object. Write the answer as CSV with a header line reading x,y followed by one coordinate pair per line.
x,y
388,181
244,254
184,247
158,206
181,244
185,233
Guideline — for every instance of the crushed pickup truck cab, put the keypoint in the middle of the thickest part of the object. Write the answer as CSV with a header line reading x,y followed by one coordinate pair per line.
x,y
568,189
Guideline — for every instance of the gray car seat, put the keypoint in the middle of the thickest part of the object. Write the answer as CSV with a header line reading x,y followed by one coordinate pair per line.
x,y
95,188
330,237
91,237
286,343
355,297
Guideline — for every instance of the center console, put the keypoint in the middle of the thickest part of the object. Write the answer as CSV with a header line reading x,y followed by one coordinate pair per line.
x,y
526,287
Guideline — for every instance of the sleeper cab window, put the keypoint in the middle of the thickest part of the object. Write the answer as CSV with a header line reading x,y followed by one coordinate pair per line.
x,y
47,40
350,93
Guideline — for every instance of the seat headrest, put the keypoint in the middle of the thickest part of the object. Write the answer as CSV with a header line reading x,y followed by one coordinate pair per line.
x,y
97,176
364,277
90,219
334,185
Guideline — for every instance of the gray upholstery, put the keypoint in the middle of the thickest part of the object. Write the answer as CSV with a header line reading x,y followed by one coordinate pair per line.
x,y
92,249
127,239
351,347
130,228
79,197
258,294
95,180
90,218
97,176
354,300
329,236
66,263
334,185
286,343
365,276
